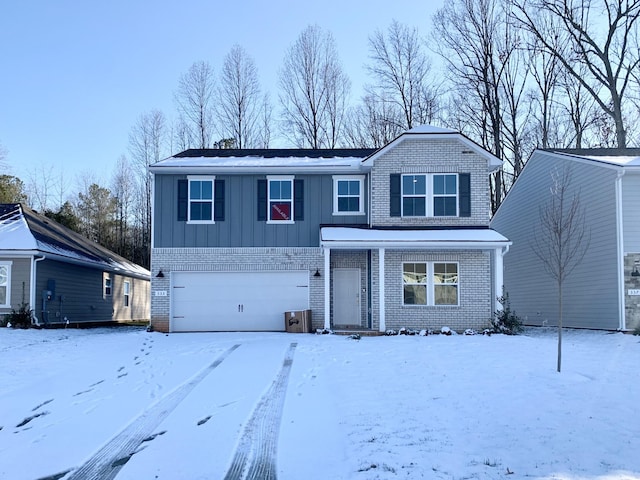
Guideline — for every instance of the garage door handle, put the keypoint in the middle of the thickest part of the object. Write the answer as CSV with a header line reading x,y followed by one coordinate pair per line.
x,y
240,308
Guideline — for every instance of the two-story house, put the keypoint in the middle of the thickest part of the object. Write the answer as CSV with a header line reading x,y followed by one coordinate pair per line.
x,y
365,239
602,291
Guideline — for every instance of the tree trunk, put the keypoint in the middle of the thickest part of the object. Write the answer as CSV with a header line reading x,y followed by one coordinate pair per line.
x,y
559,326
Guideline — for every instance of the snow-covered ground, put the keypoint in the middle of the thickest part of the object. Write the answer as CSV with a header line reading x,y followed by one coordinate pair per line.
x,y
79,403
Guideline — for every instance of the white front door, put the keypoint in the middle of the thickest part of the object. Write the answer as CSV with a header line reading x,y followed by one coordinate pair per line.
x,y
346,297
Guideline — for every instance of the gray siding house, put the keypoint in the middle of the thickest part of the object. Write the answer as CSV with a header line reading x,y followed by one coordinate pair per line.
x,y
366,239
603,292
63,277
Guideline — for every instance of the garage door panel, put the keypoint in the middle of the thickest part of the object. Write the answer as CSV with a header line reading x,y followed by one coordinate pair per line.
x,y
236,301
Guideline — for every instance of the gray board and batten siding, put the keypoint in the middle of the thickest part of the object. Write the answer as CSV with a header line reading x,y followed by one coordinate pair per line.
x,y
241,227
591,290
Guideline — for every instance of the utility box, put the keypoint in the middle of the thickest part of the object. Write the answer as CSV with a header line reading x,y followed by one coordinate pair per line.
x,y
297,321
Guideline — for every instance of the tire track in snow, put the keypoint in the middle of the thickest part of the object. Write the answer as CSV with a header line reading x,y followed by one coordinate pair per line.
x,y
255,456
107,462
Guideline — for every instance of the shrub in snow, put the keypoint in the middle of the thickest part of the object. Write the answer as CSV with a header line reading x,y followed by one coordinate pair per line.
x,y
506,321
20,318
390,332
354,336
323,331
423,333
470,331
445,331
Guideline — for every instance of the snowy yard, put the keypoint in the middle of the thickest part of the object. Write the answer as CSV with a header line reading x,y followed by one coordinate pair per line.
x,y
79,403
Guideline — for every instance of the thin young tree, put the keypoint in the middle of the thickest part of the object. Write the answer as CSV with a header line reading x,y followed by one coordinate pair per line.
x,y
313,91
561,239
195,98
239,99
601,38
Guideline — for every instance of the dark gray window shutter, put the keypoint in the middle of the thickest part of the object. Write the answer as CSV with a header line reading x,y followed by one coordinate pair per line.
x,y
464,194
395,195
183,199
262,200
218,201
298,200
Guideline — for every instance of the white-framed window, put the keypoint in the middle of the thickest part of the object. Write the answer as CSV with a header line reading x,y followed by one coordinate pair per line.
x,y
5,284
280,199
127,292
430,283
107,285
430,195
201,195
348,195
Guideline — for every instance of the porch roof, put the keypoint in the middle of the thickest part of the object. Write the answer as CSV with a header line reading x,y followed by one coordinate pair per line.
x,y
455,238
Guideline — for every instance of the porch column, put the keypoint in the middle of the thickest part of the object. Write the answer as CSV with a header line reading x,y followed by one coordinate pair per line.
x,y
381,308
498,276
327,287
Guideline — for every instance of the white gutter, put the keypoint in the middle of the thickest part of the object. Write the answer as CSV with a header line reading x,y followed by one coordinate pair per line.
x,y
436,245
620,247
32,289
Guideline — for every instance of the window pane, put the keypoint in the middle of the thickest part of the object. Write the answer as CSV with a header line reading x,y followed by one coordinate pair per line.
x,y
438,184
207,190
200,211
4,275
195,190
446,294
348,204
444,184
3,295
444,273
414,185
444,206
285,190
450,184
415,273
343,187
280,211
354,187
413,207
415,295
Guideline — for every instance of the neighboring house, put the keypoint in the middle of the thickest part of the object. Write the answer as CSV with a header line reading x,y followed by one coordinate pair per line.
x,y
603,292
63,277
365,239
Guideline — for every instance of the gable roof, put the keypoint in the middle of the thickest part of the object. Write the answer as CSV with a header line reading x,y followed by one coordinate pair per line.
x,y
618,157
430,132
280,160
23,230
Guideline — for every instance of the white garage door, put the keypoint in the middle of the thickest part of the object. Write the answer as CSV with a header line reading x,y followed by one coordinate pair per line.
x,y
236,301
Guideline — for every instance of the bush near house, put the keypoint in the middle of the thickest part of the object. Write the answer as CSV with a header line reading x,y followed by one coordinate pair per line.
x,y
20,318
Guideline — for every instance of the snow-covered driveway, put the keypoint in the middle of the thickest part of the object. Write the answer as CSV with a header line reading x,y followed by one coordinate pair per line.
x,y
138,405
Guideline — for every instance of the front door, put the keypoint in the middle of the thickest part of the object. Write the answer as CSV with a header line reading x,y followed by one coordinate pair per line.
x,y
346,297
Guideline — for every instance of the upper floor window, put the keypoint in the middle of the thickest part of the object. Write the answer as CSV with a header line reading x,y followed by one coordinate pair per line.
x,y
430,195
201,195
280,199
348,195
5,284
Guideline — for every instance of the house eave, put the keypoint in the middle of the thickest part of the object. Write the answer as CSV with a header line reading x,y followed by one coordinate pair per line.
x,y
248,170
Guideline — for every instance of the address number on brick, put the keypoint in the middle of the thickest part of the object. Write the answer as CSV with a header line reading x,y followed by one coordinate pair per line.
x,y
160,293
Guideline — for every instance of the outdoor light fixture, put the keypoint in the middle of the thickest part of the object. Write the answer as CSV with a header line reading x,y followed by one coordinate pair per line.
x,y
317,274
160,274
635,272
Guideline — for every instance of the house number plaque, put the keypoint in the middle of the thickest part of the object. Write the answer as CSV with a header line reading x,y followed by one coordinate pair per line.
x,y
163,293
633,292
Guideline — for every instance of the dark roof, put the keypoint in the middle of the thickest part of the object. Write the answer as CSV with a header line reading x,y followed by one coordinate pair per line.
x,y
597,152
277,152
57,239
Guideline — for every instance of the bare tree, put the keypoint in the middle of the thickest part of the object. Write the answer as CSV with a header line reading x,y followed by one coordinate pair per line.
x,y
46,187
195,100
610,59
313,90
266,113
400,69
3,158
561,239
238,108
123,188
374,123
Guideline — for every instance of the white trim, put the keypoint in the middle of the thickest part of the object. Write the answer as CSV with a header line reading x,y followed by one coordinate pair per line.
x,y
498,276
126,295
381,291
201,178
327,287
8,265
338,178
280,178
622,320
32,289
153,205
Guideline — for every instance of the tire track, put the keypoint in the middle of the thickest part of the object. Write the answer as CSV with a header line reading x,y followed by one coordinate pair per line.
x,y
255,456
107,462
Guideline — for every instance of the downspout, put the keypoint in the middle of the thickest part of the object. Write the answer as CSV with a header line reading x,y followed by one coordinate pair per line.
x,y
498,275
32,290
620,247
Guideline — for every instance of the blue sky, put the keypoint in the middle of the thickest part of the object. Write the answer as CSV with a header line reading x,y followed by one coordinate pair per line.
x,y
76,75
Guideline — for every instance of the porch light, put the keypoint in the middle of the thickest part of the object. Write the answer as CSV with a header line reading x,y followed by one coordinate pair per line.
x,y
635,272
160,274
317,274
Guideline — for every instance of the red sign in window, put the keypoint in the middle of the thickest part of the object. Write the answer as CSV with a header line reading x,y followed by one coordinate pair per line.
x,y
280,211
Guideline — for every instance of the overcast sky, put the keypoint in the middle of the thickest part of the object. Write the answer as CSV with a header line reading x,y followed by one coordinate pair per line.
x,y
75,74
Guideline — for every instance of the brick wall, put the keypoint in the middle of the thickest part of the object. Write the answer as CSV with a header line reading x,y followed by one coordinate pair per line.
x,y
413,156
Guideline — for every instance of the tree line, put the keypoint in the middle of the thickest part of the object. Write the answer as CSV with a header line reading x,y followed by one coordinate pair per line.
x,y
512,75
